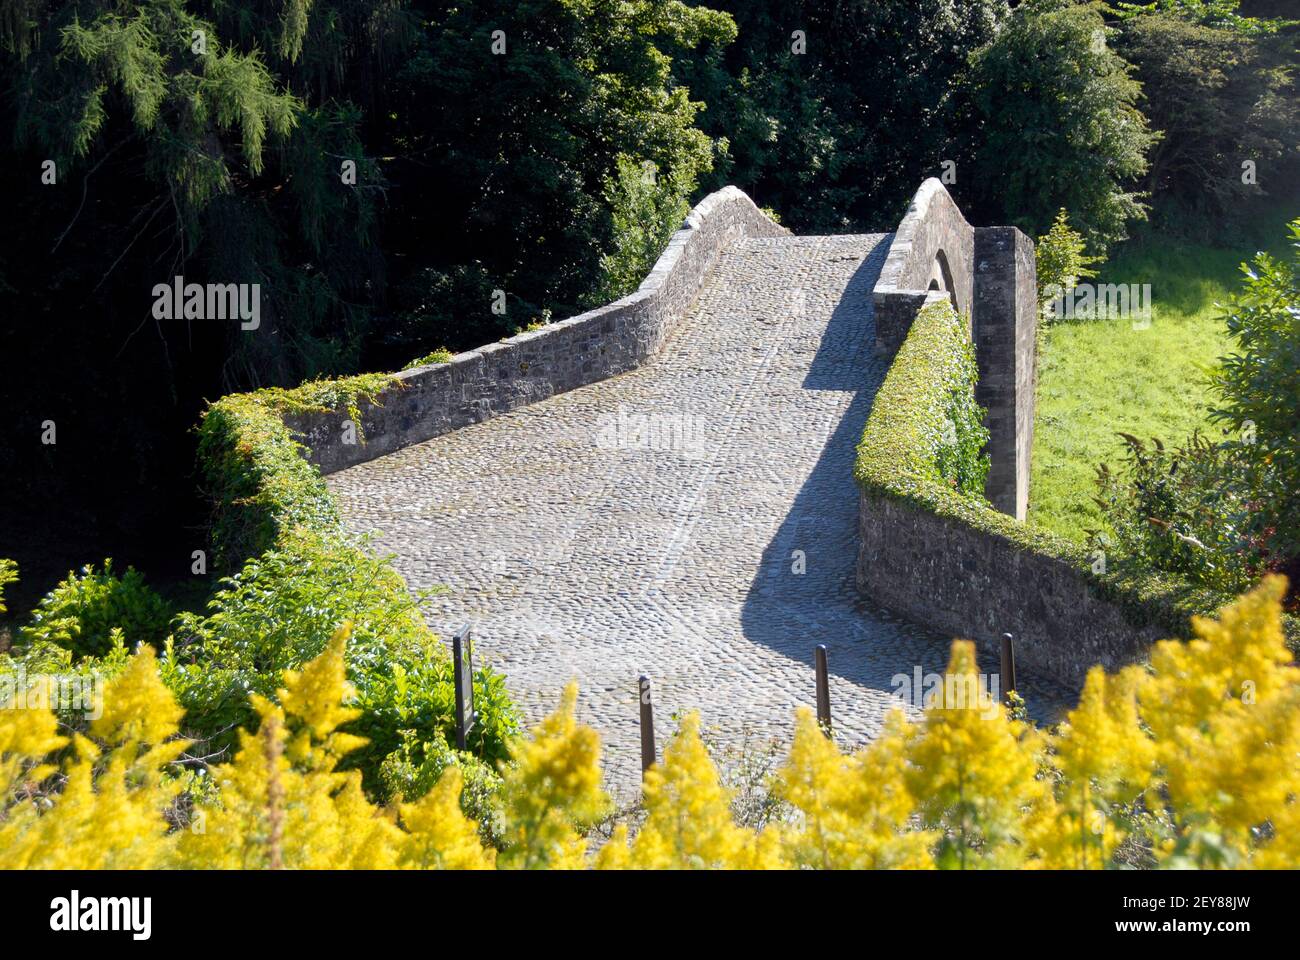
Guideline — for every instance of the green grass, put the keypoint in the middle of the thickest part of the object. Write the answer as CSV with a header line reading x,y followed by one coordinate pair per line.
x,y
1099,377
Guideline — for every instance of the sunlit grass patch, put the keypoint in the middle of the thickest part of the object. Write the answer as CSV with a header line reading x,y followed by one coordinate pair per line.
x,y
1100,377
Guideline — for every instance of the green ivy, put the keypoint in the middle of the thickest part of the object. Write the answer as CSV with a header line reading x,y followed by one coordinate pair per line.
x,y
925,423
257,475
898,459
300,576
83,610
959,459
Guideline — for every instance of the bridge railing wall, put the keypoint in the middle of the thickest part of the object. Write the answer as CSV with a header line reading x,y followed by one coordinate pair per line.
x,y
932,249
428,401
988,275
952,562
959,564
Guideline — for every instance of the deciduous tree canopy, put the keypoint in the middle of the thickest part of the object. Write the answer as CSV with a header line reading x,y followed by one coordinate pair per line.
x,y
387,173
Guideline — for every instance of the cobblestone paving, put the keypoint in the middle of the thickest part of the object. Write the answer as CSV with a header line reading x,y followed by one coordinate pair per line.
x,y
657,522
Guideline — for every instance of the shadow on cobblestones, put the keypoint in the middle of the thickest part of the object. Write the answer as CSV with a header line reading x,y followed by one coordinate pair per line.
x,y
579,550
804,593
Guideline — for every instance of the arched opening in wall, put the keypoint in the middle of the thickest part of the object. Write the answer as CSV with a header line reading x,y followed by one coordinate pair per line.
x,y
941,278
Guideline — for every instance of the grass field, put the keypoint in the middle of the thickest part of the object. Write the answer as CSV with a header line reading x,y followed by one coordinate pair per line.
x,y
1098,377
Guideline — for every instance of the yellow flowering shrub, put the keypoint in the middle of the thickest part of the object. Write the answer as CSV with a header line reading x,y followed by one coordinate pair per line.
x,y
551,789
688,821
973,771
1100,767
1190,760
853,810
108,812
1224,715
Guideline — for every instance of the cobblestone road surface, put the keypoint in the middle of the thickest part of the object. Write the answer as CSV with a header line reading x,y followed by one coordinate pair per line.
x,y
657,522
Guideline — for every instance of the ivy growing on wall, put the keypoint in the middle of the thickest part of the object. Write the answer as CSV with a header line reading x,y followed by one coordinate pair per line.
x,y
960,458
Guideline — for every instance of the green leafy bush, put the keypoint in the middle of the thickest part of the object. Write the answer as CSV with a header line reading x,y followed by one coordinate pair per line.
x,y
46,658
1061,262
1193,510
279,612
258,481
82,611
302,576
411,771
1260,386
282,607
49,651
276,614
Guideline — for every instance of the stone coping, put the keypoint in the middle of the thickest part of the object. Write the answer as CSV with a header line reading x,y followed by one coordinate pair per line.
x,y
476,385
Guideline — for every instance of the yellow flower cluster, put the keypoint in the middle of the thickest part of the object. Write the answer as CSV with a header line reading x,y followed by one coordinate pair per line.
x,y
1191,760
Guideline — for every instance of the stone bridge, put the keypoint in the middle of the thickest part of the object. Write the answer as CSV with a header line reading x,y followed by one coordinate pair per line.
x,y
689,514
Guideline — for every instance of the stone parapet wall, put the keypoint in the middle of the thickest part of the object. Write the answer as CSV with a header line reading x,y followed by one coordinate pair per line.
x,y
989,276
967,566
933,249
494,379
972,583
1004,330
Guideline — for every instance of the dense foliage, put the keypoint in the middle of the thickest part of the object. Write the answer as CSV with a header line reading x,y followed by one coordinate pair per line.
x,y
295,574
1192,510
1052,69
515,161
834,113
1226,510
1222,91
1260,385
81,613
1190,762
1061,262
277,613
253,471
925,427
392,175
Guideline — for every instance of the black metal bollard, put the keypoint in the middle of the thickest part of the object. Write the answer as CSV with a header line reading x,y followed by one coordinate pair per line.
x,y
1008,665
823,690
647,724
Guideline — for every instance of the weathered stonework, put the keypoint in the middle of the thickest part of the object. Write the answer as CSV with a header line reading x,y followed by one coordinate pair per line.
x,y
1004,318
713,563
967,575
500,377
975,584
933,249
988,273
